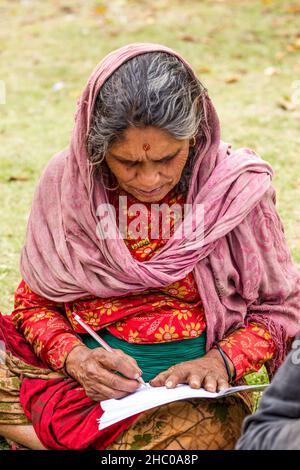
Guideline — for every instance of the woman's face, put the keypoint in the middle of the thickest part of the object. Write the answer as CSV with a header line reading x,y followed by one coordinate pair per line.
x,y
148,163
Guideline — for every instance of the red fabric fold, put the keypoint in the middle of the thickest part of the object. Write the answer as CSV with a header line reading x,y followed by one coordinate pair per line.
x,y
59,409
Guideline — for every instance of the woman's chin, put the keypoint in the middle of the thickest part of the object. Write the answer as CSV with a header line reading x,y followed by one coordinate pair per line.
x,y
155,197
143,197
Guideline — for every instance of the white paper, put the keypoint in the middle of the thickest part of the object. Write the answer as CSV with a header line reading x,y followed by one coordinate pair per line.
x,y
147,397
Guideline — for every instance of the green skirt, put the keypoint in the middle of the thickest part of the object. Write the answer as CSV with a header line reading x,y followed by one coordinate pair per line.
x,y
153,358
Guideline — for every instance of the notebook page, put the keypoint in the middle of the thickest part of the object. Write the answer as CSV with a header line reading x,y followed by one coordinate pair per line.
x,y
147,397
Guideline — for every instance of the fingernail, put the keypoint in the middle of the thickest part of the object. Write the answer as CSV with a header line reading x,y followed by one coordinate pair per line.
x,y
169,384
137,376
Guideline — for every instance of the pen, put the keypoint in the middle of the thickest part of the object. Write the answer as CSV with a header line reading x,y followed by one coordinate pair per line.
x,y
97,338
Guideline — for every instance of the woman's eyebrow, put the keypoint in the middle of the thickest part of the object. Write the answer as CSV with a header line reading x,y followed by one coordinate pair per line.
x,y
122,159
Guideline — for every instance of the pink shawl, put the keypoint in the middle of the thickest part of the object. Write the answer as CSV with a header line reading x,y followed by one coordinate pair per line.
x,y
243,267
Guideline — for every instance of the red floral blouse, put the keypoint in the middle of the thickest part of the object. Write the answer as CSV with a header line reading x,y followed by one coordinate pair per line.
x,y
174,312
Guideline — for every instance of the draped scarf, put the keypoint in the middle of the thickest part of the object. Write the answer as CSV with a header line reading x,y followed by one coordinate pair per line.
x,y
237,252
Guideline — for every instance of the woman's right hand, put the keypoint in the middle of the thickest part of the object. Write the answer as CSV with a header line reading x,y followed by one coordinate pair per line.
x,y
95,370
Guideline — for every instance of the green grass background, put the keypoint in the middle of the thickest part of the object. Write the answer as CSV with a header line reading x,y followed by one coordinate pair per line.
x,y
246,52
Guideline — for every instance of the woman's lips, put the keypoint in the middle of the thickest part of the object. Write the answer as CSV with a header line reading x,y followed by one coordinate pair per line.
x,y
150,193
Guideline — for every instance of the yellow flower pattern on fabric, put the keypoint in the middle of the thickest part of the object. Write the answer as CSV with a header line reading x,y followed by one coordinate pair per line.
x,y
231,341
261,331
163,303
38,346
166,333
42,315
192,330
155,314
248,348
177,290
28,333
119,326
133,337
92,318
109,307
183,313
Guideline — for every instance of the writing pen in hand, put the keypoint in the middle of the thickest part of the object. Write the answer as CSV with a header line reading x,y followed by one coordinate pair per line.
x,y
97,338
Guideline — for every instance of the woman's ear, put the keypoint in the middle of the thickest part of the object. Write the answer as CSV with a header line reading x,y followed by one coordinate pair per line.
x,y
193,141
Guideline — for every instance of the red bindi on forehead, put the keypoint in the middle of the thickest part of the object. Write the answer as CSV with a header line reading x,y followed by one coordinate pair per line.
x,y
146,147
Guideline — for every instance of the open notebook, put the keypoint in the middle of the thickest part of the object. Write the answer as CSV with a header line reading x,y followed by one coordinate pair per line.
x,y
147,397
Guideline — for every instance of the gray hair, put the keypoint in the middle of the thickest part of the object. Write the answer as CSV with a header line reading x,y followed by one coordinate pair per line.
x,y
151,89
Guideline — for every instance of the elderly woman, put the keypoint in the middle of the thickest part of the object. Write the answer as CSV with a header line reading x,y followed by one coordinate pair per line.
x,y
203,307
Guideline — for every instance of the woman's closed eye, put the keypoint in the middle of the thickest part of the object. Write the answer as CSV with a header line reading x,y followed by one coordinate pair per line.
x,y
132,164
167,159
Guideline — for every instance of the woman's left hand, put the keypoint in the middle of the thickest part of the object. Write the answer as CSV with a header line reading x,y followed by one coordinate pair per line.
x,y
208,372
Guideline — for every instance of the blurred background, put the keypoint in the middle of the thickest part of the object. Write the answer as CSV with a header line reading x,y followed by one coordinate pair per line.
x,y
246,52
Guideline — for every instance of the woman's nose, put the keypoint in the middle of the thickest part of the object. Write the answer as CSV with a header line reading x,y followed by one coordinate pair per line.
x,y
148,180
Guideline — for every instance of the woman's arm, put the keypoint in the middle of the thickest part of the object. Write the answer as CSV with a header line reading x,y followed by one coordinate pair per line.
x,y
44,326
276,423
248,348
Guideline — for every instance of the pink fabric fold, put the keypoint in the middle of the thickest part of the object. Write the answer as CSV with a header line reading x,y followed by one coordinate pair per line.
x,y
240,259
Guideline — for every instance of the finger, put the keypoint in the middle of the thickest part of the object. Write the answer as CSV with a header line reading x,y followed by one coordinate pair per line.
x,y
210,383
222,384
102,392
173,376
195,381
173,380
179,375
112,380
129,358
160,379
116,362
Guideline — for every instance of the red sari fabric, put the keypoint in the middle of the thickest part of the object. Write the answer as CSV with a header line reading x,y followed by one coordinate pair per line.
x,y
62,415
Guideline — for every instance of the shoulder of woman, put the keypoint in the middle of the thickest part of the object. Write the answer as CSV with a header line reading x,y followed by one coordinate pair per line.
x,y
55,166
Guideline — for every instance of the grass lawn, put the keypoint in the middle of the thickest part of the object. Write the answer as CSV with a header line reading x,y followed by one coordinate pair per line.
x,y
247,54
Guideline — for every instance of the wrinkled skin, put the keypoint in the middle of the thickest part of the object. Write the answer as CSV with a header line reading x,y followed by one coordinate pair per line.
x,y
208,372
147,170
95,370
